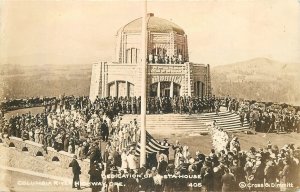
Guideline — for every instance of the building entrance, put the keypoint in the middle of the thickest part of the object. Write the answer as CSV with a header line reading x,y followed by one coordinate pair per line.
x,y
120,89
164,89
199,89
166,93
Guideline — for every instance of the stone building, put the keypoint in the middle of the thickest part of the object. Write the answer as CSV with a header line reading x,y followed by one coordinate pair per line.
x,y
169,72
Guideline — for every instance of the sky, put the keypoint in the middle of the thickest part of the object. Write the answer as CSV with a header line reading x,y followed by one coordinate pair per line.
x,y
78,32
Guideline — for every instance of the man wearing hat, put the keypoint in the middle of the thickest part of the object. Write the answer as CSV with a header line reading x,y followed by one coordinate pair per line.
x,y
217,176
104,131
237,171
285,173
227,181
95,173
270,171
258,171
208,180
76,169
162,165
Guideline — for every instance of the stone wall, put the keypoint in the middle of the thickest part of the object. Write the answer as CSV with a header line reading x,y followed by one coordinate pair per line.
x,y
96,81
183,74
37,150
199,72
172,43
122,72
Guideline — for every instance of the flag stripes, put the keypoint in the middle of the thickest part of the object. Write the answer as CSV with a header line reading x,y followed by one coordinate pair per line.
x,y
152,145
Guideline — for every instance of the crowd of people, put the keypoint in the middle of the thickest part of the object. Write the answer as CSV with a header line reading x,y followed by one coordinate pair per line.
x,y
264,169
226,168
95,131
265,117
183,105
160,59
123,105
251,111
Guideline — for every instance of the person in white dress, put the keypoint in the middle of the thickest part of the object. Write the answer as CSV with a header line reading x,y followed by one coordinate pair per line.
x,y
178,155
124,164
131,159
186,154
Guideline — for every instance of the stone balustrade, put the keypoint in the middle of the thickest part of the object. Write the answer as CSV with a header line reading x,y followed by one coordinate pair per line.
x,y
37,150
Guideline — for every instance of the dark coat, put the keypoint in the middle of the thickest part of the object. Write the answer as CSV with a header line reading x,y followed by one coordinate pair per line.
x,y
238,173
75,167
228,182
162,167
208,181
104,128
217,180
95,174
285,175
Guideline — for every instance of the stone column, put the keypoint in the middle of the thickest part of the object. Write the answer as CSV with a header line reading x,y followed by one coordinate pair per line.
x,y
116,89
103,81
158,89
127,89
172,89
189,80
196,88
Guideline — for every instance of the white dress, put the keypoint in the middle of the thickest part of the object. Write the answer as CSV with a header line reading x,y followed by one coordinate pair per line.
x,y
124,161
131,162
178,155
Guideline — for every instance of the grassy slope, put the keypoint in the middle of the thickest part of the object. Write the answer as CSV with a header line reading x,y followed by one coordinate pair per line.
x,y
28,81
260,79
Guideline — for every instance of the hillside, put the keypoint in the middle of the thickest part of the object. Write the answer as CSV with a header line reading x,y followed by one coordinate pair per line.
x,y
47,80
259,79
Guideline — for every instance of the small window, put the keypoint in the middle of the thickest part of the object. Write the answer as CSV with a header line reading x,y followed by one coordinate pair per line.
x,y
24,149
55,158
11,144
39,154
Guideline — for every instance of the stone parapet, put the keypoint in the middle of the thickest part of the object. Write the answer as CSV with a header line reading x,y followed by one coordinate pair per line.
x,y
37,150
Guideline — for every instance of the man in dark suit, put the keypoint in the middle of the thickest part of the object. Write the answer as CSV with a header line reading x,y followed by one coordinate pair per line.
x,y
95,177
162,166
95,154
227,181
76,172
208,180
104,131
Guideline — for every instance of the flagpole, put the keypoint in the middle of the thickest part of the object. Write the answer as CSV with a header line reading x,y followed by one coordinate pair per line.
x,y
144,36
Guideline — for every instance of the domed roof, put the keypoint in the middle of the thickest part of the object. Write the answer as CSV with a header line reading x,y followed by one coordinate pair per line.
x,y
155,24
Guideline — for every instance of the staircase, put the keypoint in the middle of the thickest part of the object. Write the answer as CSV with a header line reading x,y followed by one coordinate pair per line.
x,y
227,121
189,124
168,123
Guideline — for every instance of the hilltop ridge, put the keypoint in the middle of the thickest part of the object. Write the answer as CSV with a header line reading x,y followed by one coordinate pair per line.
x,y
259,79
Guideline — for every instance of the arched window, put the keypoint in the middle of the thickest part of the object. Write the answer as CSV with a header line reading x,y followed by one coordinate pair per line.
x,y
121,88
25,149
11,144
132,55
39,154
55,158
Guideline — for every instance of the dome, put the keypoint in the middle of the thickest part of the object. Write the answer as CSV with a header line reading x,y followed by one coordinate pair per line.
x,y
154,24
